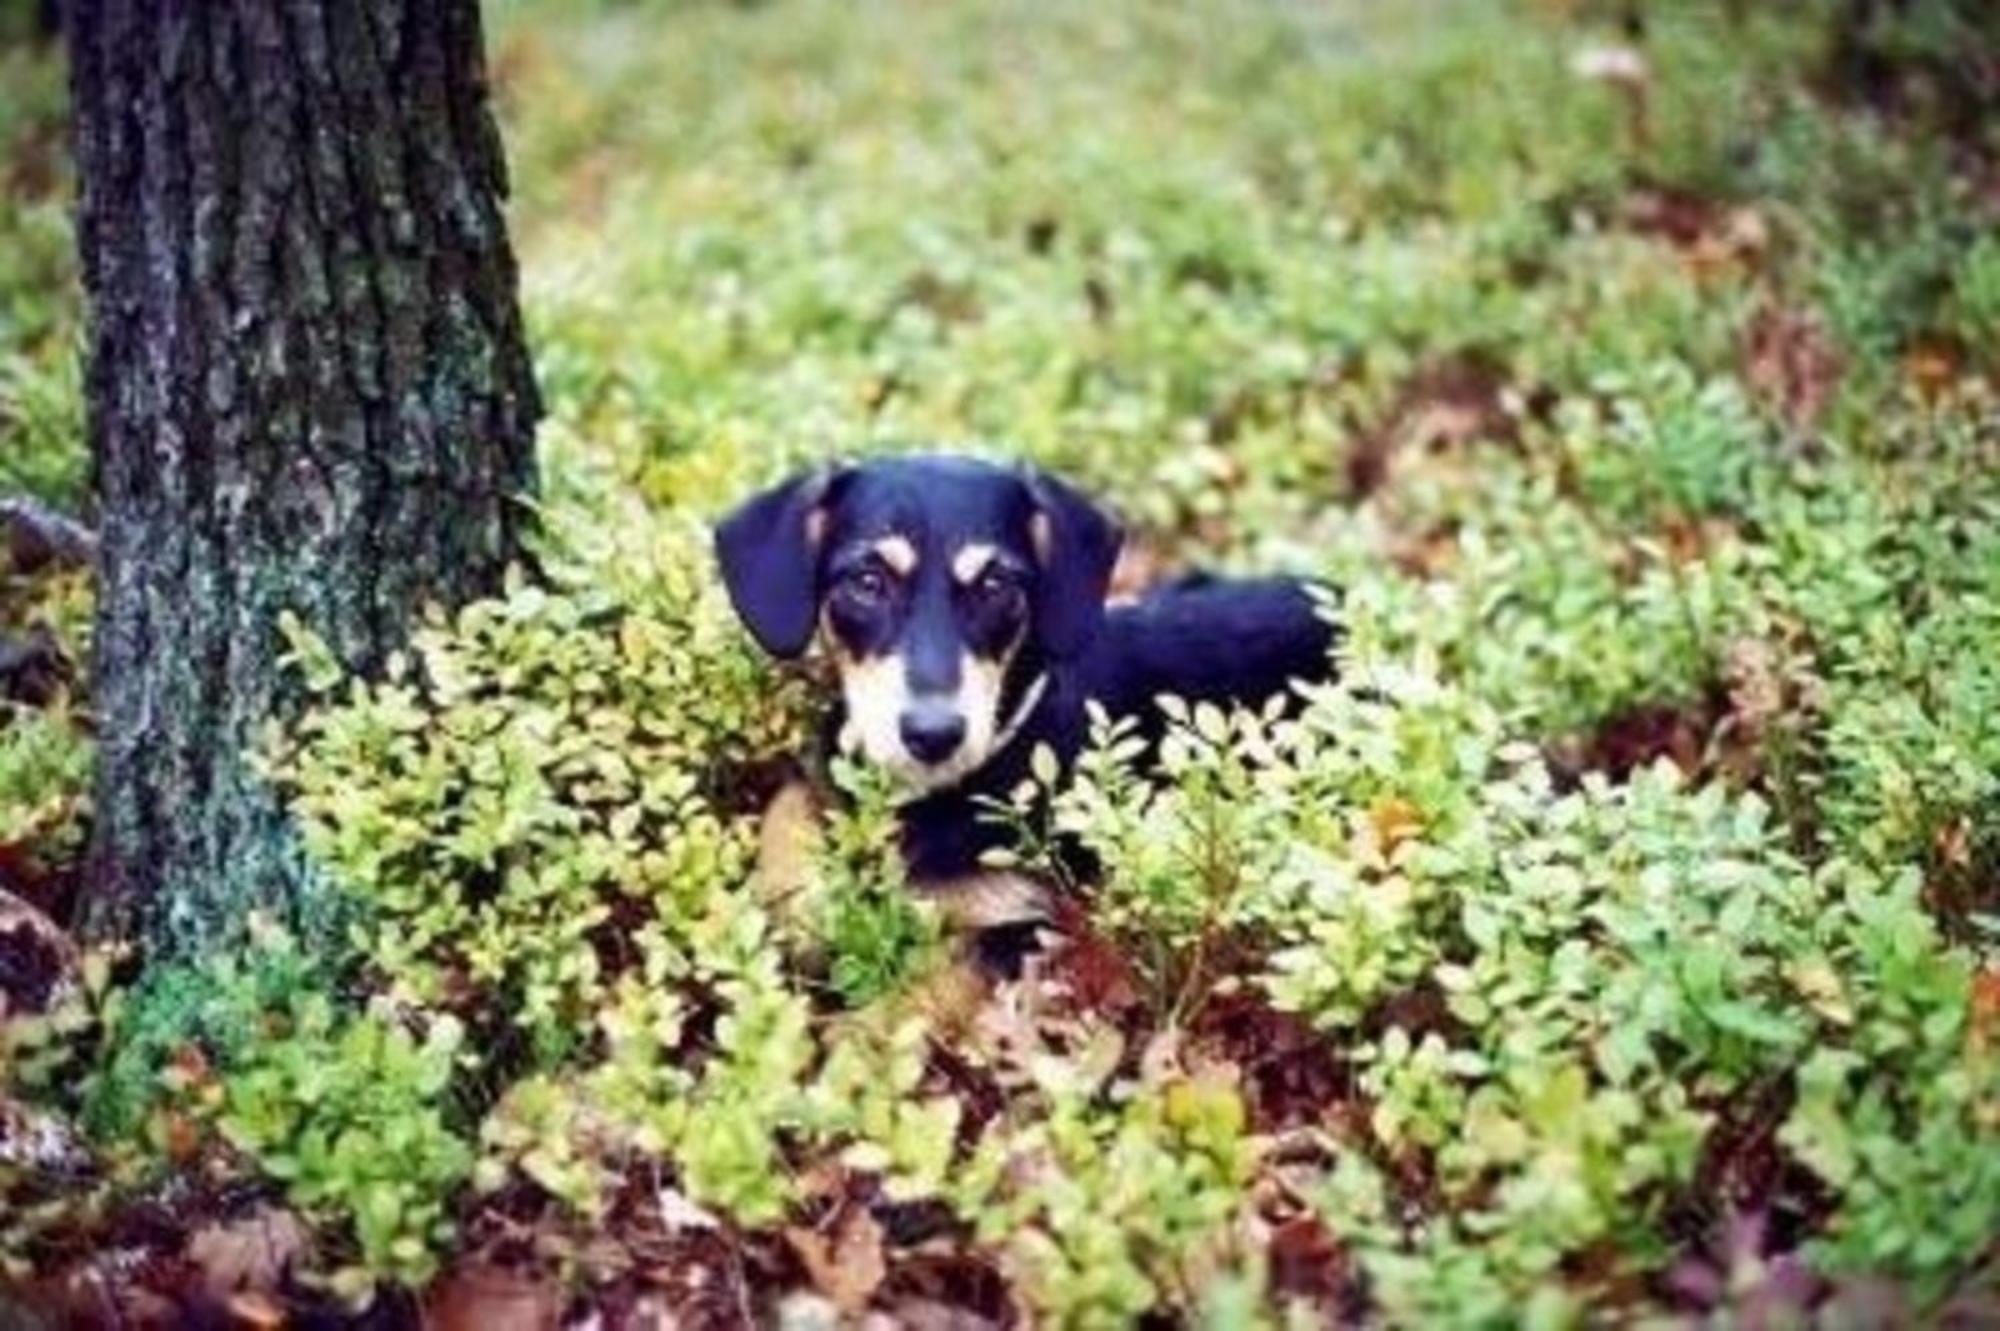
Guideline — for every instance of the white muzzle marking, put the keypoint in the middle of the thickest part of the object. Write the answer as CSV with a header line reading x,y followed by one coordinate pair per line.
x,y
877,693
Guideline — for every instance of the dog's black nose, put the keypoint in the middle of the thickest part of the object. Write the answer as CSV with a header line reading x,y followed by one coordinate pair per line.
x,y
932,731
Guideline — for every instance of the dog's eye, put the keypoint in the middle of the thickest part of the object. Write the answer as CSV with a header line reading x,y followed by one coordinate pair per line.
x,y
865,584
994,585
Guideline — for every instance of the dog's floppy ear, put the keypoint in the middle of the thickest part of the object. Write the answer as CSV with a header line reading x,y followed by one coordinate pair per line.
x,y
1076,544
769,551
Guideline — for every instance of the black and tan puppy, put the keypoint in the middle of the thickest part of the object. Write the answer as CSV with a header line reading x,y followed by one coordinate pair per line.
x,y
963,604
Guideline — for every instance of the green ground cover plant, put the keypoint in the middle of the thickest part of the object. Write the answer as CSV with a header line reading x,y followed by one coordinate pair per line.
x,y
1615,939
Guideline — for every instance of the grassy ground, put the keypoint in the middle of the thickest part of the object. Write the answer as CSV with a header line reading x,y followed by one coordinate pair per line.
x,y
1617,940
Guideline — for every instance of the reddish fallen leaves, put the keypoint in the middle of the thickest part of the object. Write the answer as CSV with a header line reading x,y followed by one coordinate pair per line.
x,y
1449,403
1933,365
1640,736
1982,1033
1712,236
1791,363
1291,1074
844,1260
257,1312
481,1296
252,1254
1687,540
1306,1263
1097,976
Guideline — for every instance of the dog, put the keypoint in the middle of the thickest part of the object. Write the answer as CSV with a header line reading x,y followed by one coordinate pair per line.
x,y
963,605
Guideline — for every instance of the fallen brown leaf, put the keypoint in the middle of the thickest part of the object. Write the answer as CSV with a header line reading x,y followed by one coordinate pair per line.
x,y
848,1266
1932,366
947,997
1954,843
1983,1031
250,1254
1307,1262
1394,821
479,1296
256,1310
179,1135
1791,363
1097,976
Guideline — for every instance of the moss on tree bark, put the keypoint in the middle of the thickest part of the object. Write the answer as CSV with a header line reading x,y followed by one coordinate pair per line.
x,y
307,389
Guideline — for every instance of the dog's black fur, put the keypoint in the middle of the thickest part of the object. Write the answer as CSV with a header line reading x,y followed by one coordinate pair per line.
x,y
815,553
1202,639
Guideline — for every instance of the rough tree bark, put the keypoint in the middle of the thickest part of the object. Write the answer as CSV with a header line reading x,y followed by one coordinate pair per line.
x,y
307,389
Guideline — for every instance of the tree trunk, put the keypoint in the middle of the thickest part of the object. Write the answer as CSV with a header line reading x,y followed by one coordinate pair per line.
x,y
307,390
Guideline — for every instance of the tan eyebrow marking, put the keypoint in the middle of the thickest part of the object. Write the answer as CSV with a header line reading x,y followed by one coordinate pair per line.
x,y
971,561
898,553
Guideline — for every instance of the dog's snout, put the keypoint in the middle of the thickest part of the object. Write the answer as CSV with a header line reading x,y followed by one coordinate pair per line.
x,y
932,731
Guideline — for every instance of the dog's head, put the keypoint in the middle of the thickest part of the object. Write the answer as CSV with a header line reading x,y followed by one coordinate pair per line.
x,y
942,587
